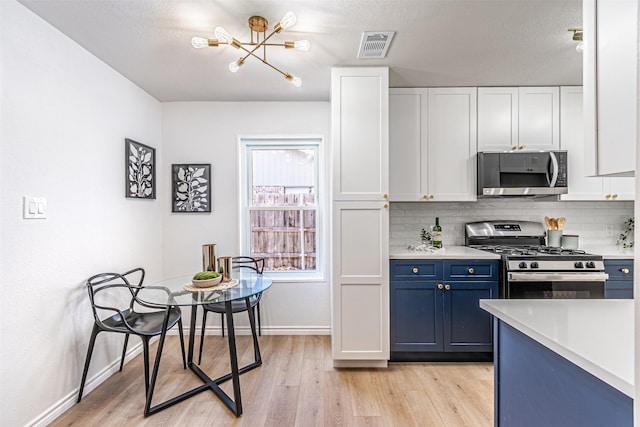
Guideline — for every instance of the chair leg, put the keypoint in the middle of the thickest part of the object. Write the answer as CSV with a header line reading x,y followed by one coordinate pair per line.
x,y
145,347
92,341
204,324
180,331
252,323
124,350
222,322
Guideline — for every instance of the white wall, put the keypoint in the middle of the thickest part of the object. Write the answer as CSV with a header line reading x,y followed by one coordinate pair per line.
x,y
589,220
65,115
199,132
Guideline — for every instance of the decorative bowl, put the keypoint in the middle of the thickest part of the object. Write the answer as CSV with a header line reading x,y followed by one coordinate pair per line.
x,y
206,283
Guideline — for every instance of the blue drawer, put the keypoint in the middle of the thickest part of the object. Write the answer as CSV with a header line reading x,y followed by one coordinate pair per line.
x,y
471,270
415,270
619,269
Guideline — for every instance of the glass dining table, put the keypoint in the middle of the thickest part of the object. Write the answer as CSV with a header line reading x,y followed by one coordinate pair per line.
x,y
178,292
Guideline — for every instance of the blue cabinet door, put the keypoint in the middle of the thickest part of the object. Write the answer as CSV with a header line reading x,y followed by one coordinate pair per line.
x,y
620,282
416,316
466,326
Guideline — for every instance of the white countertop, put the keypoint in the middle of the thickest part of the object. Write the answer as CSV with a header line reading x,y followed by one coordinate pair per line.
x,y
596,335
448,252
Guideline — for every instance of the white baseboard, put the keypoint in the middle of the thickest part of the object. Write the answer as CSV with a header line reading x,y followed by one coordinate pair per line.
x,y
62,405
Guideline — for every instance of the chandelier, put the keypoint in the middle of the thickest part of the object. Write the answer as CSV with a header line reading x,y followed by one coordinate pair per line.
x,y
259,26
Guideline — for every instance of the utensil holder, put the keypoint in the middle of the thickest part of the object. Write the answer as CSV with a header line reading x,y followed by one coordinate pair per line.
x,y
224,263
554,238
209,257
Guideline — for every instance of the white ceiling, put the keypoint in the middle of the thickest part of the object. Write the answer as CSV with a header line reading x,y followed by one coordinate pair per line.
x,y
437,43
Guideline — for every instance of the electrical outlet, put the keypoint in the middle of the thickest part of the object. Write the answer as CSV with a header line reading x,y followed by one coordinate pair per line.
x,y
608,231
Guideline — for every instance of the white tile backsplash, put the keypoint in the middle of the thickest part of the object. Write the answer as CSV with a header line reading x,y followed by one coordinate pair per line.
x,y
589,220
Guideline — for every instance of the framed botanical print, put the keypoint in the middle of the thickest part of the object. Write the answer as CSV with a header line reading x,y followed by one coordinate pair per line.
x,y
140,170
191,188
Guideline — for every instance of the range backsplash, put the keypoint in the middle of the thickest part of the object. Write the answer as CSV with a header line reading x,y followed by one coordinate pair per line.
x,y
597,223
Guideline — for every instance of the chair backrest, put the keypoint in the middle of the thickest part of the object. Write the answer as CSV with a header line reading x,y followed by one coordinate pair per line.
x,y
255,264
113,293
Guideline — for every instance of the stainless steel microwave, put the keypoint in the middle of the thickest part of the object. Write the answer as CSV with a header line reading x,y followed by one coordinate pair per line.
x,y
522,173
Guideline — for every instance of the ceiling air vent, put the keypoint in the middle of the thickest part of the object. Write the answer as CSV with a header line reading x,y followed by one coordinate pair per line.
x,y
374,44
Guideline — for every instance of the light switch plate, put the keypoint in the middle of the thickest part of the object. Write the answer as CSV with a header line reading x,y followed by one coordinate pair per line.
x,y
34,207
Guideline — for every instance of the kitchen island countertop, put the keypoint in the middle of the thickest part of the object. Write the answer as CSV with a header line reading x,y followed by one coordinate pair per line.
x,y
448,252
595,335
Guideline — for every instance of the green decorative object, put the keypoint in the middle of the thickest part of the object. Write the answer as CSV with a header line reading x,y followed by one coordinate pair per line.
x,y
626,237
206,275
425,235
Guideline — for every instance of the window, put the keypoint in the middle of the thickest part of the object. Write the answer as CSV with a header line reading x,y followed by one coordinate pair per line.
x,y
281,204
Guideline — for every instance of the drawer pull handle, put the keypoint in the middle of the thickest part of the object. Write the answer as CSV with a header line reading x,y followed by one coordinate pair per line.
x,y
415,270
625,270
447,287
440,286
471,270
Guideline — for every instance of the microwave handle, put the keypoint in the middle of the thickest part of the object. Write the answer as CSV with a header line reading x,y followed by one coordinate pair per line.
x,y
554,170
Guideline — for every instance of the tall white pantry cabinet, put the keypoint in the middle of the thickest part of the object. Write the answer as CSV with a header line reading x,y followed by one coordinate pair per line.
x,y
360,220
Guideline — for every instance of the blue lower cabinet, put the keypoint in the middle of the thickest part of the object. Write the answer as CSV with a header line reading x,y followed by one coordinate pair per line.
x,y
620,282
441,316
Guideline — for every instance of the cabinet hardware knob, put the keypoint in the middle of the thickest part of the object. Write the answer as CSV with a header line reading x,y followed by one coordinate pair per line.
x,y
415,270
447,287
471,270
440,286
522,147
515,147
431,196
425,197
386,206
385,195
625,270
614,195
608,196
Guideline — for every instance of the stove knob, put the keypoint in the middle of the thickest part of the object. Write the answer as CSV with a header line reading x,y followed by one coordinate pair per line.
x,y
578,264
522,265
534,264
591,264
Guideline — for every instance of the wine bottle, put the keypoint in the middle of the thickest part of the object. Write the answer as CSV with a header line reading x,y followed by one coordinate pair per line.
x,y
437,234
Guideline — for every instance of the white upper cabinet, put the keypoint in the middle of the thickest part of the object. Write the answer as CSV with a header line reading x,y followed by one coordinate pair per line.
x,y
360,133
539,118
452,144
610,82
407,144
582,187
497,118
518,118
433,144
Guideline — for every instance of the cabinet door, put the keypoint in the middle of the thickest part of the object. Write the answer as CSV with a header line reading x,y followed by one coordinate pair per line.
x,y
360,133
620,188
467,327
416,316
407,144
539,118
360,281
581,187
452,144
610,82
497,118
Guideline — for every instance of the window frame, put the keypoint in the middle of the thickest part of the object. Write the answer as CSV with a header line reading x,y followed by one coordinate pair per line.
x,y
246,145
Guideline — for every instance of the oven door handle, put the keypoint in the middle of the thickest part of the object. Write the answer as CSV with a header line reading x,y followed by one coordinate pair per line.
x,y
558,277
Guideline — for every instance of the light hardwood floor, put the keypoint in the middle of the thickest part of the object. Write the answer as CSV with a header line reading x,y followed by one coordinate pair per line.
x,y
295,386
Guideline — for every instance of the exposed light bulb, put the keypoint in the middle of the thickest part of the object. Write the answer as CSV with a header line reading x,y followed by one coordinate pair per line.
x,y
288,20
199,42
302,45
296,81
235,65
580,47
223,35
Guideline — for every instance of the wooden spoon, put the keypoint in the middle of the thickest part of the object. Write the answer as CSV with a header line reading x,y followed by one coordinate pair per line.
x,y
561,222
554,224
547,221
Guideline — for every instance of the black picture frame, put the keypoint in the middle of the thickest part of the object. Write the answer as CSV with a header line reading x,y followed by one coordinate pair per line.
x,y
139,170
191,187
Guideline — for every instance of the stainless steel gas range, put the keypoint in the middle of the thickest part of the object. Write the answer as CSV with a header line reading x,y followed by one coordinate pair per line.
x,y
532,270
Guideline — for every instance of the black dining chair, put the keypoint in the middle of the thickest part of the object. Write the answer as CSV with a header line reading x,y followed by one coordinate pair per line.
x,y
115,304
238,306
